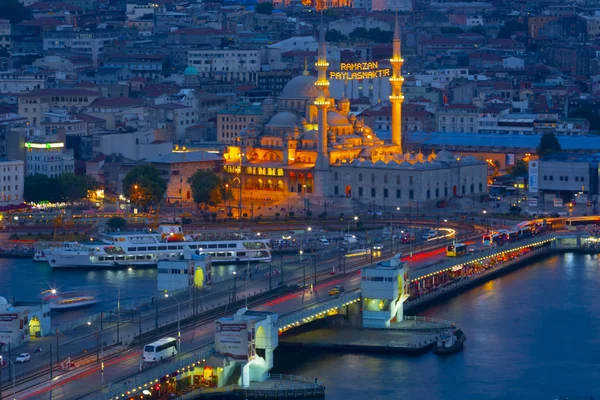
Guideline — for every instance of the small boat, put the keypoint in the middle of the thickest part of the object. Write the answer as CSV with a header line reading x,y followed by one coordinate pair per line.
x,y
450,341
73,302
39,256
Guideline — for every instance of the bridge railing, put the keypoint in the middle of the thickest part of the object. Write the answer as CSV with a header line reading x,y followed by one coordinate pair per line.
x,y
293,319
479,256
131,385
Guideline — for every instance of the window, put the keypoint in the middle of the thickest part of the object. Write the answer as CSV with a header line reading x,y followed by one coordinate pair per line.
x,y
360,192
481,187
372,178
551,177
373,192
397,179
410,180
385,178
437,192
560,177
576,178
411,194
335,176
398,193
335,190
385,193
545,177
445,192
463,189
428,193
566,178
472,188
360,177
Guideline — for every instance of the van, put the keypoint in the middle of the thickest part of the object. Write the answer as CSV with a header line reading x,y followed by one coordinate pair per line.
x,y
324,242
348,238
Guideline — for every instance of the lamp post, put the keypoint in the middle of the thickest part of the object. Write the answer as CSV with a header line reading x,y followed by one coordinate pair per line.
x,y
355,221
178,321
234,297
136,195
241,156
227,196
99,349
13,375
303,270
486,220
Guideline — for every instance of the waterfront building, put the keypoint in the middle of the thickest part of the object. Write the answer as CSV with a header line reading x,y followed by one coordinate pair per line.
x,y
18,323
383,293
227,64
48,157
193,270
12,173
178,166
313,147
564,175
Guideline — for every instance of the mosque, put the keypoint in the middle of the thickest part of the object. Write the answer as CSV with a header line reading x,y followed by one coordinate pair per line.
x,y
312,147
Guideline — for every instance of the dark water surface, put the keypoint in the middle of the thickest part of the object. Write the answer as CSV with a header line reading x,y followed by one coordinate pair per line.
x,y
24,279
532,334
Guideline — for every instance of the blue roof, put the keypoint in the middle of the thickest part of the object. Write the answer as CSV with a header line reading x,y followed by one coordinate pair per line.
x,y
441,139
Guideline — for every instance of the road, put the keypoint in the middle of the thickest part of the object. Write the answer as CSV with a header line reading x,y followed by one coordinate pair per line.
x,y
216,295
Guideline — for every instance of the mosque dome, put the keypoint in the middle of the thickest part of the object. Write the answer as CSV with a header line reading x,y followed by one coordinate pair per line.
x,y
190,71
444,156
301,87
284,118
334,118
311,135
3,300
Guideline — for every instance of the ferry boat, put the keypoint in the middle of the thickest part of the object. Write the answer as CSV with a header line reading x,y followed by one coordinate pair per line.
x,y
124,249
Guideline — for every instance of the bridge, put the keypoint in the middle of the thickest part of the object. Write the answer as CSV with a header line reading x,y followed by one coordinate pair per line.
x,y
318,310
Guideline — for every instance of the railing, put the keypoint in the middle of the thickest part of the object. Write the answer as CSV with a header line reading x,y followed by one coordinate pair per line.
x,y
294,318
427,319
154,374
447,265
468,280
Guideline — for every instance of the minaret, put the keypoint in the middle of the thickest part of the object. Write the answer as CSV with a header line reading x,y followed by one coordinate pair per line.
x,y
322,84
396,98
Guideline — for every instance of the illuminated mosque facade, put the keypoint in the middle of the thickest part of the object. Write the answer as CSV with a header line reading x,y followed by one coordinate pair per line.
x,y
312,147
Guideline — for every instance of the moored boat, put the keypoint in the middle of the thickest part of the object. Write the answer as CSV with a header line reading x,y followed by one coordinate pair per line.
x,y
450,341
124,249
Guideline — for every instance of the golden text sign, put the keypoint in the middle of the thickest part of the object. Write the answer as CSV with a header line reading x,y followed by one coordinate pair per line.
x,y
359,70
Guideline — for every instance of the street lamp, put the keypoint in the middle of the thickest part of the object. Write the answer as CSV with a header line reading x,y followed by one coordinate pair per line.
x,y
486,220
235,282
13,375
355,221
99,356
227,196
178,321
241,157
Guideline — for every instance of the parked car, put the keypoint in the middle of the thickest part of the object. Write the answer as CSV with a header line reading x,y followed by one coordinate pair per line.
x,y
23,357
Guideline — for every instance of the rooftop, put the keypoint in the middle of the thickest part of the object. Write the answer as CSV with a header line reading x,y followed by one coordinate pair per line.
x,y
185,157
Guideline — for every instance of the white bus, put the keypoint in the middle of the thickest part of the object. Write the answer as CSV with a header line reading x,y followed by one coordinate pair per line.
x,y
161,349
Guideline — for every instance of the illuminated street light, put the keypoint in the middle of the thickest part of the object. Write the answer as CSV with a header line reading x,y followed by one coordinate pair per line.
x,y
178,321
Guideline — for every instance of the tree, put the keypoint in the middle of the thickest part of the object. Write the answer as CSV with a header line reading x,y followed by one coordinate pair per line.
x,y
448,30
589,114
40,187
206,187
519,169
115,223
14,11
479,30
548,144
144,185
510,28
75,187
264,8
333,35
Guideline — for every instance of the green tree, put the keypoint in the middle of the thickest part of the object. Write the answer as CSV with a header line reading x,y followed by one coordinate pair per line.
x,y
589,114
115,223
510,28
206,187
144,185
548,144
333,35
519,169
39,187
14,11
75,187
478,29
264,8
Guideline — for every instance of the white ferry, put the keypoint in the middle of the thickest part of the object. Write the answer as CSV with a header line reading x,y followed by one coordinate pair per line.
x,y
124,249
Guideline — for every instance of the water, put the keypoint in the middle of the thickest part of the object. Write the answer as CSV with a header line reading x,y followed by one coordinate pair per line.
x,y
532,334
24,280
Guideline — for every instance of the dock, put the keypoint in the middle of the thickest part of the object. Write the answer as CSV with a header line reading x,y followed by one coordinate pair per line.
x,y
410,336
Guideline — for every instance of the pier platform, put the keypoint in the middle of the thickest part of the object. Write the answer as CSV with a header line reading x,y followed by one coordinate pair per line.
x,y
277,386
408,336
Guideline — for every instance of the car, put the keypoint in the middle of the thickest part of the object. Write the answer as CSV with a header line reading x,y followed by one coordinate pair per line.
x,y
378,246
337,289
23,357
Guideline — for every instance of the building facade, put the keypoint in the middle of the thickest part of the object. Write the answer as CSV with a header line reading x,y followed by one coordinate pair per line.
x,y
48,158
227,64
12,182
